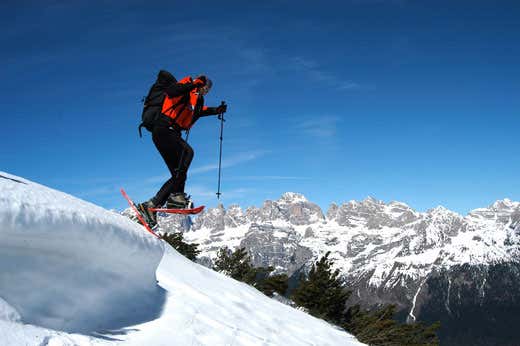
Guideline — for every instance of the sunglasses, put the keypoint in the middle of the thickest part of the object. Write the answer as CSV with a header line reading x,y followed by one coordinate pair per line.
x,y
204,90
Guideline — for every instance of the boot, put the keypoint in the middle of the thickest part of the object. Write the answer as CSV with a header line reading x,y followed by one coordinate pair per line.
x,y
179,200
149,216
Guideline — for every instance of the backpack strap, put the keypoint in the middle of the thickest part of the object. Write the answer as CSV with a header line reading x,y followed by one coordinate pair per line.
x,y
146,105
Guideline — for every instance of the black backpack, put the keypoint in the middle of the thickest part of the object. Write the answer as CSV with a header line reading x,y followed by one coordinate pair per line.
x,y
154,100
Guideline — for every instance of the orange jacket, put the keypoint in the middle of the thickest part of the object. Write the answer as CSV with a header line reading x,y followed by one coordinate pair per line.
x,y
185,109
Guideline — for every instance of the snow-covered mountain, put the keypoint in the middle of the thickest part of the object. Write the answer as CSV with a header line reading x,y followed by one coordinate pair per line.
x,y
435,265
72,273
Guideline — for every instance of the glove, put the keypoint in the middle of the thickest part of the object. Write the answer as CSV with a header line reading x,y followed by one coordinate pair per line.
x,y
221,109
200,81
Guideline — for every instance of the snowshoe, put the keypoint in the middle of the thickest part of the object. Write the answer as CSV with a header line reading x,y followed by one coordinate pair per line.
x,y
138,214
179,200
149,216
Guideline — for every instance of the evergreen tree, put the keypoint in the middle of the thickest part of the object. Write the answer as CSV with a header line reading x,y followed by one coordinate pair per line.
x,y
176,240
321,292
274,283
238,265
380,328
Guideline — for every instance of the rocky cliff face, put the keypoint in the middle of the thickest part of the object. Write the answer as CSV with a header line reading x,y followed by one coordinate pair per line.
x,y
271,233
435,265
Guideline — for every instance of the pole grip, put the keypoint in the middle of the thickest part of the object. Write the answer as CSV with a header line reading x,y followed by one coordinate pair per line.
x,y
221,115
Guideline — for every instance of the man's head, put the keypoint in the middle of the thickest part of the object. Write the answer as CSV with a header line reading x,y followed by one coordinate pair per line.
x,y
205,89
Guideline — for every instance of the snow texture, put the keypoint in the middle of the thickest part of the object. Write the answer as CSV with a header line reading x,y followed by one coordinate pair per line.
x,y
100,264
72,273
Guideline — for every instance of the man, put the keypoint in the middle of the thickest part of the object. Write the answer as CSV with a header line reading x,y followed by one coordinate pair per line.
x,y
175,106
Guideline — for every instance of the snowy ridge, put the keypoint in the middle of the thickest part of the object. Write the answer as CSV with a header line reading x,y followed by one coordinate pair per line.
x,y
72,273
53,244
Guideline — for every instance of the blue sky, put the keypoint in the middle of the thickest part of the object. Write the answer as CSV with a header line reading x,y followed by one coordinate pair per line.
x,y
414,101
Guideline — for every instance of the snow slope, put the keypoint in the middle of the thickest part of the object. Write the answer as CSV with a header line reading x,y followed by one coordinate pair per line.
x,y
72,273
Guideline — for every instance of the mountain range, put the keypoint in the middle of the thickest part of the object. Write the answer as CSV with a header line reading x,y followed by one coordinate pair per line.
x,y
463,271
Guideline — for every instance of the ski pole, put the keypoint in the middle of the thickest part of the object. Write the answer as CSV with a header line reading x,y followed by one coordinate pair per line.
x,y
221,118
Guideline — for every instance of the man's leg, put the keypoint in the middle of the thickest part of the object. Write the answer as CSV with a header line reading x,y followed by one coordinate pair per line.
x,y
170,145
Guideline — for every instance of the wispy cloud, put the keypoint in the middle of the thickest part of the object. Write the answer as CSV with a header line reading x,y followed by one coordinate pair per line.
x,y
322,127
253,64
348,85
204,195
266,177
96,192
318,74
204,192
228,162
157,179
256,61
201,192
232,161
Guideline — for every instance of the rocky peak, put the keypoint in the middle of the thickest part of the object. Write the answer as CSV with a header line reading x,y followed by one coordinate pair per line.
x,y
441,212
293,208
211,218
372,213
502,210
234,207
372,201
398,205
271,210
292,197
332,212
504,205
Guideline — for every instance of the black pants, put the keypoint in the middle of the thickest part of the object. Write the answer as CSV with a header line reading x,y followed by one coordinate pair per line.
x,y
177,155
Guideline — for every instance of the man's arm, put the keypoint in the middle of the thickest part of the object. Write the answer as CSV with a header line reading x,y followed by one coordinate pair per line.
x,y
212,110
179,89
208,111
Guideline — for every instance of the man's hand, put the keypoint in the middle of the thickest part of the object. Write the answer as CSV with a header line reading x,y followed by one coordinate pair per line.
x,y
221,109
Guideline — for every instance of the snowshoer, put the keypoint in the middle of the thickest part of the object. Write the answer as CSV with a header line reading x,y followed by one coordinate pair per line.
x,y
172,107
